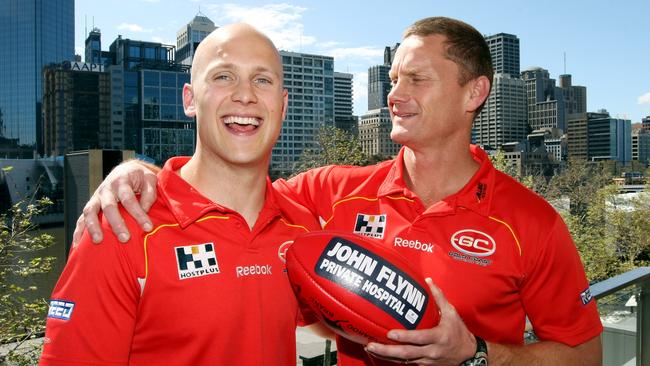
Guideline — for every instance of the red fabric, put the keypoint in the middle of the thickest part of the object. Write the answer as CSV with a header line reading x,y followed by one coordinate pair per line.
x,y
243,315
534,271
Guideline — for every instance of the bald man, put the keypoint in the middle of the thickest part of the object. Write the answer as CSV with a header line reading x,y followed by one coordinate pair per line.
x,y
207,284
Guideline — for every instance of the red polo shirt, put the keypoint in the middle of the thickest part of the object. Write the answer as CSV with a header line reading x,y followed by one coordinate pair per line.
x,y
200,289
498,251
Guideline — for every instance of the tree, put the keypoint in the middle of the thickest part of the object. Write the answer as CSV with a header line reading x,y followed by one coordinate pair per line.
x,y
334,146
23,317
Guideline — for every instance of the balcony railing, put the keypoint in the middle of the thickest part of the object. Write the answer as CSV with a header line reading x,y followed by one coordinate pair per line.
x,y
624,304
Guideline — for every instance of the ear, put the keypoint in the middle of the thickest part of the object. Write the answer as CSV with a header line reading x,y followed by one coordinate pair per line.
x,y
478,93
188,101
285,103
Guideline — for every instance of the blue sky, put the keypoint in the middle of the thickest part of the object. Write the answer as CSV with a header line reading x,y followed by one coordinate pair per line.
x,y
607,43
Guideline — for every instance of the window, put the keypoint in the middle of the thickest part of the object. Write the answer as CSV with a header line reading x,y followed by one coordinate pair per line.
x,y
134,51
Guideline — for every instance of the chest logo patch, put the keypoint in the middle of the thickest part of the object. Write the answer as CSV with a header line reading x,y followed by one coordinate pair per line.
x,y
372,226
196,260
473,242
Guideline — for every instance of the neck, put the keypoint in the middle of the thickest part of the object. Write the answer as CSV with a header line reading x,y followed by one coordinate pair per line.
x,y
435,173
240,188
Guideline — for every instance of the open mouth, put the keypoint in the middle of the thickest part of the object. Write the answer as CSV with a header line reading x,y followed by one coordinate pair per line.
x,y
241,124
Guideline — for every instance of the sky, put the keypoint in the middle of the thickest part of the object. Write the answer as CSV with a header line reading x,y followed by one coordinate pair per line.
x,y
607,43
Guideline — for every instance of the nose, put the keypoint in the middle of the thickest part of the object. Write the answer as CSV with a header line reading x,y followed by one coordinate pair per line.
x,y
398,93
244,93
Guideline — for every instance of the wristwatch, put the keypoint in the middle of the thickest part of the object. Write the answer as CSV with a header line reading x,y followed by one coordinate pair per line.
x,y
480,357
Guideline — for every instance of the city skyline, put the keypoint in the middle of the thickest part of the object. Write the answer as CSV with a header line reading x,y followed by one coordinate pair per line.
x,y
606,45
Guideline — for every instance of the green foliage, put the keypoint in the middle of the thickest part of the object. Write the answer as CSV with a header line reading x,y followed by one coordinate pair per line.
x,y
334,146
23,317
611,233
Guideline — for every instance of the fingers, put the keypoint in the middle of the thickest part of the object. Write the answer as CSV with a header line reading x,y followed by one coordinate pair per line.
x,y
132,205
112,214
148,195
439,297
78,231
397,353
91,221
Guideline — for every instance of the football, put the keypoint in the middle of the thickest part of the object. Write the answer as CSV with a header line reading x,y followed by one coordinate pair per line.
x,y
357,287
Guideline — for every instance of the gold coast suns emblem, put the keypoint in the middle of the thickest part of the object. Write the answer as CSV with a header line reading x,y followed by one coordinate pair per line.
x,y
282,250
372,226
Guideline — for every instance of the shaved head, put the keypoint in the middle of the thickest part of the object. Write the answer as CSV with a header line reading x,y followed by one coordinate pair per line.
x,y
237,33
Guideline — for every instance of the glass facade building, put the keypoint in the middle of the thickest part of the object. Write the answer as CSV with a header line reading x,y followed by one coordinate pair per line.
x,y
33,34
309,80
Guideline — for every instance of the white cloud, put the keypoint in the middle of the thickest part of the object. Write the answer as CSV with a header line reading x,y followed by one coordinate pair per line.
x,y
158,39
132,27
329,44
644,99
360,85
281,22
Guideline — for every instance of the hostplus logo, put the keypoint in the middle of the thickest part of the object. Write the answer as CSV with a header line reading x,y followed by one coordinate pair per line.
x,y
196,260
372,226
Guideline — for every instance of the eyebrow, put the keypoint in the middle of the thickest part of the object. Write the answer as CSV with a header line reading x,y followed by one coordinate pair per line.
x,y
233,66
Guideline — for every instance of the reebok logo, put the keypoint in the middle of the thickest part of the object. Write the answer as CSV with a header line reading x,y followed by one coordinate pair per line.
x,y
413,244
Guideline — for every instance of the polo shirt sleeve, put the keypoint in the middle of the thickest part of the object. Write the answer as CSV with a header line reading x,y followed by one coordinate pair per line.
x,y
93,306
555,291
311,189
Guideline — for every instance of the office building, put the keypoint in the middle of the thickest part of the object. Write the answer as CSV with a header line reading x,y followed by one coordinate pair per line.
x,y
374,133
545,101
343,117
504,50
310,82
189,37
33,34
641,146
146,100
379,82
577,138
645,123
504,117
575,96
609,138
76,108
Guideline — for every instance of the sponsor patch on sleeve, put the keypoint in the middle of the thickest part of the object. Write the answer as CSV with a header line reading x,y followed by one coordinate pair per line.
x,y
586,297
60,309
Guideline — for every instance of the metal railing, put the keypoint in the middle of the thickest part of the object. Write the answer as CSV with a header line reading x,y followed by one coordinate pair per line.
x,y
639,279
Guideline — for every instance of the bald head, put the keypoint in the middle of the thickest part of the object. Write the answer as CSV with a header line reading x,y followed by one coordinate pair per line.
x,y
217,43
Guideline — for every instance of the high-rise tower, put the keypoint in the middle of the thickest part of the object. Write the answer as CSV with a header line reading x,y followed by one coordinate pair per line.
x,y
33,34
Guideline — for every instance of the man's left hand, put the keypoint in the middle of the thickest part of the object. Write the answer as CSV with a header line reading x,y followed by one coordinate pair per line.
x,y
449,343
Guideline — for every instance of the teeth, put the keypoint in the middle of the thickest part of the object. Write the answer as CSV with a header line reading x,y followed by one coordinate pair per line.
x,y
241,120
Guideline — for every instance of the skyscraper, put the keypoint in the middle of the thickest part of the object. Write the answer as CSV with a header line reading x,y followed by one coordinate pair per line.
x,y
504,50
343,118
609,138
575,97
309,80
33,34
189,37
545,101
378,80
504,117
146,100
76,108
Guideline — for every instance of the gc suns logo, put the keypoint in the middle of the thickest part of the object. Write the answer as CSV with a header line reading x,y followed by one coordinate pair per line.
x,y
196,260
